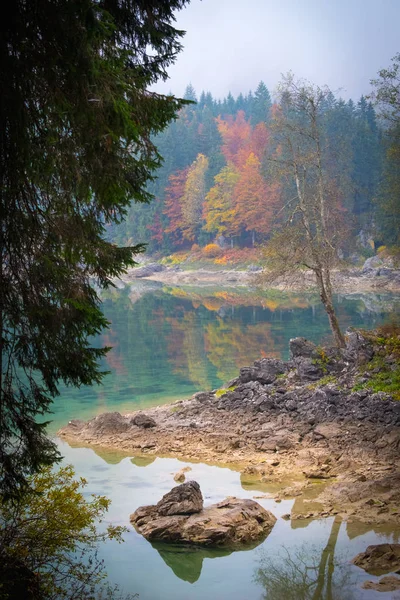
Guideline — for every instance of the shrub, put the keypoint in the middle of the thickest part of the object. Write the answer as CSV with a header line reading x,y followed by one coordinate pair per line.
x,y
49,536
211,251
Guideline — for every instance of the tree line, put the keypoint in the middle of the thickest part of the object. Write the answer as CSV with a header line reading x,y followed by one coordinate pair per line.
x,y
217,177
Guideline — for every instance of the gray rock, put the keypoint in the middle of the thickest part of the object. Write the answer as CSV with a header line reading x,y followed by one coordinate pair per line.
x,y
264,371
358,349
147,270
184,499
372,263
233,522
308,370
254,269
109,423
203,396
144,421
301,347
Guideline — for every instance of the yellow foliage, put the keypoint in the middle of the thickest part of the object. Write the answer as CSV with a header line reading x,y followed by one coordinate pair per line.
x,y
221,261
211,251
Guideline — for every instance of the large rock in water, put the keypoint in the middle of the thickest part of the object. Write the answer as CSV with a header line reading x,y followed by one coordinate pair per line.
x,y
227,524
184,499
379,559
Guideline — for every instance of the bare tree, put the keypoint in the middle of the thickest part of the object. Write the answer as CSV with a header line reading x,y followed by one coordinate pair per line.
x,y
314,226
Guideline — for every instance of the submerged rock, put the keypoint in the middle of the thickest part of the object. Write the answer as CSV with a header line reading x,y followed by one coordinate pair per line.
x,y
390,583
229,523
379,559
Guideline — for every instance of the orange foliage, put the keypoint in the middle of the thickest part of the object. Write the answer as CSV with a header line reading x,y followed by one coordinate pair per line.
x,y
235,135
211,251
256,201
173,203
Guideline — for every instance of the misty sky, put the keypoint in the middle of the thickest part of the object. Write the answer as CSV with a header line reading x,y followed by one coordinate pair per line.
x,y
231,45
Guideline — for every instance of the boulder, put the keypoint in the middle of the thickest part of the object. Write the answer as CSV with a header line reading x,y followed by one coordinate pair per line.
x,y
300,347
358,349
147,270
180,476
109,423
309,369
144,421
264,371
379,559
184,499
228,523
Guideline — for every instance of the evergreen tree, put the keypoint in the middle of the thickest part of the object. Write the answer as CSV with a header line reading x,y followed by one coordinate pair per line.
x,y
190,93
76,120
261,106
387,99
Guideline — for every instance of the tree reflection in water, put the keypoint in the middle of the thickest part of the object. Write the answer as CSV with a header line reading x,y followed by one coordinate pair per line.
x,y
307,573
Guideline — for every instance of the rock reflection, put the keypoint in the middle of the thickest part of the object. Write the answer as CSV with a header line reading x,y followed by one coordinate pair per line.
x,y
143,461
308,573
187,561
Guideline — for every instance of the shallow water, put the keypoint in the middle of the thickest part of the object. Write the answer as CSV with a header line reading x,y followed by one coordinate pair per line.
x,y
282,567
168,344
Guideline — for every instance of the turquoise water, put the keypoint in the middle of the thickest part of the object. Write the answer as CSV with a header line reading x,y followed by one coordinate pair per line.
x,y
168,344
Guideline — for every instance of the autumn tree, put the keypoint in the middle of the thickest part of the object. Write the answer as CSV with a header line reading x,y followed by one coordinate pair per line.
x,y
314,231
255,200
173,204
76,148
219,209
235,133
49,539
193,197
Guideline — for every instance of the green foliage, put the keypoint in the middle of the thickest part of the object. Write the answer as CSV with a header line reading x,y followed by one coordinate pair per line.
x,y
385,366
387,99
322,360
52,533
76,121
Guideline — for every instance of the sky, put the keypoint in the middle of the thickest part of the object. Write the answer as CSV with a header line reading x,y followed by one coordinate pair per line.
x,y
231,45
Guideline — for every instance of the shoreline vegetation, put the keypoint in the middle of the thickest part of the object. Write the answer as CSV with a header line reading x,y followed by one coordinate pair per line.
x,y
375,275
323,427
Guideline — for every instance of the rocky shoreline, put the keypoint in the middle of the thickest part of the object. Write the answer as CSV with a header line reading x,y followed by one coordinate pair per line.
x,y
372,277
299,422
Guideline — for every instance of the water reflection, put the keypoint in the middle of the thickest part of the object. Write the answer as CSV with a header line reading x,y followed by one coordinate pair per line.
x,y
170,342
187,562
308,573
282,561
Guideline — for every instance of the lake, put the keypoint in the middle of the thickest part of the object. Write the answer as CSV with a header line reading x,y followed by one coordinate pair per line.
x,y
167,344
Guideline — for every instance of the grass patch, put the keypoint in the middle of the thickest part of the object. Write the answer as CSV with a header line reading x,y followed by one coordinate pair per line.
x,y
223,391
385,371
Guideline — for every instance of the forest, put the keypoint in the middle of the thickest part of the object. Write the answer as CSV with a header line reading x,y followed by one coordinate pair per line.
x,y
219,183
